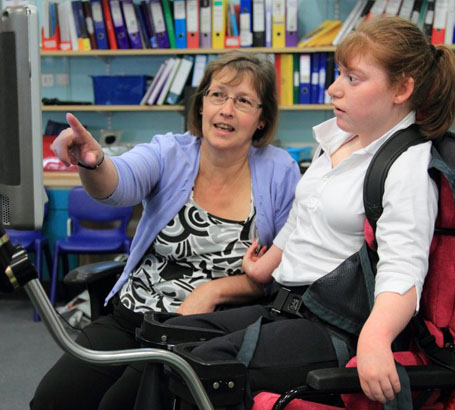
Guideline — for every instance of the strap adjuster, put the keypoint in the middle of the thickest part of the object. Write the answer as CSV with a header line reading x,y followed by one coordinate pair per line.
x,y
288,302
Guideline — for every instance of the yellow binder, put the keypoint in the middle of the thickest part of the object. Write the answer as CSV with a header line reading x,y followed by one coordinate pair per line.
x,y
323,35
278,24
218,23
287,79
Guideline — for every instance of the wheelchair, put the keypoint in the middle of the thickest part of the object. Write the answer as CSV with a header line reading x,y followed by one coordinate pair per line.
x,y
192,381
225,382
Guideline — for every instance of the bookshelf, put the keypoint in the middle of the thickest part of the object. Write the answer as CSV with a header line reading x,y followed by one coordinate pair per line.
x,y
170,52
174,51
134,108
140,123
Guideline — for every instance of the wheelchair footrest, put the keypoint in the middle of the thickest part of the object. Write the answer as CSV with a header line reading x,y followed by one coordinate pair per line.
x,y
154,333
223,380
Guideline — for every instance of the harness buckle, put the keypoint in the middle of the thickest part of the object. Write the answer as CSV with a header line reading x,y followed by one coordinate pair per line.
x,y
288,302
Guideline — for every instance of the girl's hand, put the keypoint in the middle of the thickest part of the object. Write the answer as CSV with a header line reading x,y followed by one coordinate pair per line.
x,y
375,363
252,255
377,370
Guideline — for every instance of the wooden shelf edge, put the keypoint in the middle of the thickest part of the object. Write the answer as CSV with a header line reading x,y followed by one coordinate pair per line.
x,y
307,107
167,51
138,108
79,108
61,179
172,51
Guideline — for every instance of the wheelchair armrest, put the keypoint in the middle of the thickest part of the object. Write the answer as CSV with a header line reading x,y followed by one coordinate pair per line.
x,y
87,274
223,380
346,380
98,278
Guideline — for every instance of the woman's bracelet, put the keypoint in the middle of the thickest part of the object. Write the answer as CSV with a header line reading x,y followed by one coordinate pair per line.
x,y
91,168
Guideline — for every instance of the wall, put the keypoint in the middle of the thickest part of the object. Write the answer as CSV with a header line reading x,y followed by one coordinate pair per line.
x,y
294,127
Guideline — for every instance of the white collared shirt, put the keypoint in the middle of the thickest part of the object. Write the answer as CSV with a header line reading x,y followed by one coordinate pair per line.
x,y
326,222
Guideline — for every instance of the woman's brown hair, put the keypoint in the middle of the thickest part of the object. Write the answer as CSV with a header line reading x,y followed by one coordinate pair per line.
x,y
402,49
262,73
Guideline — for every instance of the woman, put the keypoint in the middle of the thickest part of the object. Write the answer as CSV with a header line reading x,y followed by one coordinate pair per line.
x,y
206,194
390,77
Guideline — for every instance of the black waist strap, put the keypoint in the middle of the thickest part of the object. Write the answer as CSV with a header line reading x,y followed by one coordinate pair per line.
x,y
289,301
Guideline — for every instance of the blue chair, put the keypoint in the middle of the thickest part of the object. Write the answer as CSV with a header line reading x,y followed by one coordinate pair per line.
x,y
33,241
90,240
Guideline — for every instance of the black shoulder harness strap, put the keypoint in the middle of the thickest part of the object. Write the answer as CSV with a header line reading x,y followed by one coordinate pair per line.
x,y
373,190
373,187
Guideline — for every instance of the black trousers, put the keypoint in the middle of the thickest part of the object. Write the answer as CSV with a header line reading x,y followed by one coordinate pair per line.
x,y
288,347
73,384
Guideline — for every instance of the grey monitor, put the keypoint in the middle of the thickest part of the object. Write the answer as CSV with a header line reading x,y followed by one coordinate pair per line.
x,y
22,194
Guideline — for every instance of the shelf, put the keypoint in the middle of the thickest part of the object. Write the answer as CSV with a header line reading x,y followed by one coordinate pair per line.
x,y
307,107
181,51
172,51
109,108
136,108
61,179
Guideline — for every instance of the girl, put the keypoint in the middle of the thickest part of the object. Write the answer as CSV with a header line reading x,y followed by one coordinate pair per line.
x,y
390,77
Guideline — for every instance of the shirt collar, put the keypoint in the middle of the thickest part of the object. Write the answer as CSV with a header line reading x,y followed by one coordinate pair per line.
x,y
331,137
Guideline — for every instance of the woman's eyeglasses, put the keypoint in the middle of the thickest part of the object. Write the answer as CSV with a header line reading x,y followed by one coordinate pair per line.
x,y
243,104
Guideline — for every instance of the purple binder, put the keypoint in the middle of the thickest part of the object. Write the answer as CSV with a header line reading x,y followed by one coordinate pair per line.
x,y
119,25
156,11
205,24
292,31
132,24
148,23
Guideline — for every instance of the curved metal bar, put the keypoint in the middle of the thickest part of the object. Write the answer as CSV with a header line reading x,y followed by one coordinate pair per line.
x,y
39,298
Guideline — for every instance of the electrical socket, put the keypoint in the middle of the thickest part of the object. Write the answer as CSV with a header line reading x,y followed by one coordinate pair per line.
x,y
109,137
47,80
63,79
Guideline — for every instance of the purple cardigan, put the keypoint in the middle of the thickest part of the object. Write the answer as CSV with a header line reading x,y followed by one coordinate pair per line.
x,y
161,174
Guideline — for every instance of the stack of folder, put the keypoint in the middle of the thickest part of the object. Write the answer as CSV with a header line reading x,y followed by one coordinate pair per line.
x,y
168,83
304,78
436,18
323,35
180,24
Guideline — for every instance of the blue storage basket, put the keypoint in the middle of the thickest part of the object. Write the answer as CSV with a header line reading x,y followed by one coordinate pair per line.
x,y
119,89
300,153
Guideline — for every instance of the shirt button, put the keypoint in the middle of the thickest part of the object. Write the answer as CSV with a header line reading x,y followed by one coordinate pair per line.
x,y
312,204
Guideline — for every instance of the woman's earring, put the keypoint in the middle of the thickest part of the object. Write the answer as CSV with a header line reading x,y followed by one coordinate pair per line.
x,y
261,127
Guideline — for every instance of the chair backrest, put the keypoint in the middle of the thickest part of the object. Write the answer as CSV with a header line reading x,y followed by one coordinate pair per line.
x,y
17,236
438,295
82,207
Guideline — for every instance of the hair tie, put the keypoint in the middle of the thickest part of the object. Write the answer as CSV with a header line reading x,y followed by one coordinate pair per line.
x,y
437,52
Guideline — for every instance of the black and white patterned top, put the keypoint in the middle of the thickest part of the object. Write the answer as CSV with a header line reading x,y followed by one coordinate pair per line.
x,y
193,248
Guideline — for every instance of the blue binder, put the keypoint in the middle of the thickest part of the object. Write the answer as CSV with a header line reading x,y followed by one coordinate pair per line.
x,y
246,31
322,76
180,23
314,78
305,79
98,23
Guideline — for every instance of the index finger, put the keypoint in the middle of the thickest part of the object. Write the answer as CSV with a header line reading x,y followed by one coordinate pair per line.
x,y
75,124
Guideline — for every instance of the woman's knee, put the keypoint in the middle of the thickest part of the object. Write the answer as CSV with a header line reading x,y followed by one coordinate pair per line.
x,y
61,393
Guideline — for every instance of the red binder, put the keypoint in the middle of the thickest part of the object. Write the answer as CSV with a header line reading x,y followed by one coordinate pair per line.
x,y
109,25
192,23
